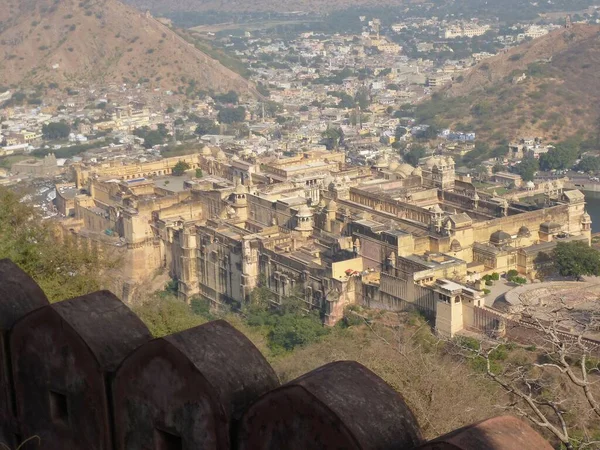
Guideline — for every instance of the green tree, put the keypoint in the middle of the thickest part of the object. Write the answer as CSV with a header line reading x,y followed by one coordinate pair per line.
x,y
165,314
589,164
295,330
482,172
414,155
62,267
180,168
232,115
199,173
576,259
230,97
56,130
206,126
333,137
562,156
527,168
511,274
363,99
400,131
273,108
498,168
151,137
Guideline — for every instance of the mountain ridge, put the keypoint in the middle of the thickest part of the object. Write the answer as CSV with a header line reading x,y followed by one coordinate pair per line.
x,y
101,41
547,87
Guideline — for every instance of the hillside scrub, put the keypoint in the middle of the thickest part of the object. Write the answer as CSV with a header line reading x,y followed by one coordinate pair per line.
x,y
62,266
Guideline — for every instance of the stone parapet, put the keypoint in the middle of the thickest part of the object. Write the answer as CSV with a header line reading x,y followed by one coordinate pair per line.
x,y
85,374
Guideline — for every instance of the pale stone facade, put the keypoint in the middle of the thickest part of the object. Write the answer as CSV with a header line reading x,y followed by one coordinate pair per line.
x,y
332,235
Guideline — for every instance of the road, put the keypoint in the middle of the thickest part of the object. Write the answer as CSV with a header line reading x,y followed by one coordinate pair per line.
x,y
571,174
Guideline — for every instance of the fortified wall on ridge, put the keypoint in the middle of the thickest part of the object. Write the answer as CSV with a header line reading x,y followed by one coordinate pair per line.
x,y
85,373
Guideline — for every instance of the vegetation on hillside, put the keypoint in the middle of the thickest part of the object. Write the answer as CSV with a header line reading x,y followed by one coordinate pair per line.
x,y
122,44
546,90
62,266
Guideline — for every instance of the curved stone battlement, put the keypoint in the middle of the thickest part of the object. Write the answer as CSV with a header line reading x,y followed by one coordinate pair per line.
x,y
86,374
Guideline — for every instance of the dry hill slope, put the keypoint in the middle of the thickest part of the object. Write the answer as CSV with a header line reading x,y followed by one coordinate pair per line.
x,y
558,95
100,41
250,6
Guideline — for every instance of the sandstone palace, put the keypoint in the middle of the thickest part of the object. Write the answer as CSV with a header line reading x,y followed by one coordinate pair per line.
x,y
389,236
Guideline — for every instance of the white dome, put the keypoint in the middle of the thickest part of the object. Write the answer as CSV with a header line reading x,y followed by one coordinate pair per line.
x,y
241,189
405,169
304,211
381,162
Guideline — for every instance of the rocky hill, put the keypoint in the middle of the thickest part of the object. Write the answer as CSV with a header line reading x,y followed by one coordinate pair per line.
x,y
548,87
251,6
72,42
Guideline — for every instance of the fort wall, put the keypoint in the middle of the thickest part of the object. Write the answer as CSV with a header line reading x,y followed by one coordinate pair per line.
x,y
85,373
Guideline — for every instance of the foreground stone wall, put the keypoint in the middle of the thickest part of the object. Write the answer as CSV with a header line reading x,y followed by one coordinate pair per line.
x,y
86,374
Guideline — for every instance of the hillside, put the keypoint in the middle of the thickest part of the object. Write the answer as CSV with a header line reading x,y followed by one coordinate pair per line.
x,y
503,9
251,6
72,42
548,87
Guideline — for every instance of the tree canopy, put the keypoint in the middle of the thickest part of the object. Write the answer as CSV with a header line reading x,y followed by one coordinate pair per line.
x,y
152,137
576,259
527,168
56,130
232,115
62,267
230,97
562,156
180,168
333,137
589,164
413,156
206,126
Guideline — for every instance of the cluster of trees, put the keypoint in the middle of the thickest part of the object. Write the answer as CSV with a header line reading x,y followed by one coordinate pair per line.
x,y
232,115
337,77
230,98
513,276
206,126
278,330
288,326
589,164
56,130
152,137
362,99
527,168
63,267
562,156
576,259
180,168
429,133
413,156
333,138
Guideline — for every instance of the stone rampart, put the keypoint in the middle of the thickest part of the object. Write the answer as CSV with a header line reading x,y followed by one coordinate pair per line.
x,y
86,374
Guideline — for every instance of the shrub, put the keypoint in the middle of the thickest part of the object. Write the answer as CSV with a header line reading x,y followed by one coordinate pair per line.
x,y
489,283
499,354
520,280
495,276
511,274
486,292
468,342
